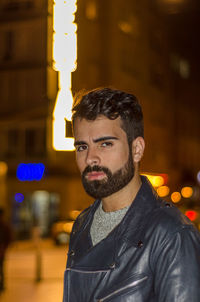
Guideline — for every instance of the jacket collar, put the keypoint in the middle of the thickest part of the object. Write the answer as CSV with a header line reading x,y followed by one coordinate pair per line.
x,y
132,226
128,232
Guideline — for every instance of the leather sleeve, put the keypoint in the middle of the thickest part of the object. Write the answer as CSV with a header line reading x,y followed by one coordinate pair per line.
x,y
177,267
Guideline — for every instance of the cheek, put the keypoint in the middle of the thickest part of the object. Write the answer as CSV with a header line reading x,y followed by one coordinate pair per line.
x,y
117,159
80,161
123,153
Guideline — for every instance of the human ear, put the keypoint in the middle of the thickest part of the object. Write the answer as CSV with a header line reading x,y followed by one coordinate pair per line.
x,y
138,146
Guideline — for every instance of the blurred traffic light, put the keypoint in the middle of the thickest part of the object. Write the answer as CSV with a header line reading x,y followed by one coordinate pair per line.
x,y
191,214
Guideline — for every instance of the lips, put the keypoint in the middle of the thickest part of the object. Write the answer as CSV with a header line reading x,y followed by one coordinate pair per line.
x,y
95,175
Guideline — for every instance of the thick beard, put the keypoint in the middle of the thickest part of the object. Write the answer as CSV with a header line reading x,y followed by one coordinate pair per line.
x,y
112,183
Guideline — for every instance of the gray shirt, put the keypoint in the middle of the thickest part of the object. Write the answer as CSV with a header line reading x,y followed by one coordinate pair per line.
x,y
104,222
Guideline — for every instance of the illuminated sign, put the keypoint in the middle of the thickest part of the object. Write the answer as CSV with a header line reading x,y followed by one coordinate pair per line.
x,y
30,172
64,61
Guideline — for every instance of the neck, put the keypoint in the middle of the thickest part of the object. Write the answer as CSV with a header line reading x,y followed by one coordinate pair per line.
x,y
124,197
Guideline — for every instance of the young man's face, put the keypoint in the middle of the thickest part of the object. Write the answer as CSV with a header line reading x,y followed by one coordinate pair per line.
x,y
104,157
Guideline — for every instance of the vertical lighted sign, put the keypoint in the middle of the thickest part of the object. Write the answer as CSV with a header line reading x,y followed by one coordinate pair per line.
x,y
64,61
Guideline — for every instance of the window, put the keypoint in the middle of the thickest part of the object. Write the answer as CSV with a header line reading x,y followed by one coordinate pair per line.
x,y
13,141
3,140
12,5
9,45
91,10
156,75
35,142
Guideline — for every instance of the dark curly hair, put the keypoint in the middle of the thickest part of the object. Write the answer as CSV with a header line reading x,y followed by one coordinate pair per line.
x,y
111,103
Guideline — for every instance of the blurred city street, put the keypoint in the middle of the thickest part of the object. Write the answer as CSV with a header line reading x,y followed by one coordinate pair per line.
x,y
27,280
50,53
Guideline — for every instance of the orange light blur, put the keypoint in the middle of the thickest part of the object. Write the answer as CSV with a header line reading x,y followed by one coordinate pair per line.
x,y
187,192
67,227
3,168
163,191
175,197
74,214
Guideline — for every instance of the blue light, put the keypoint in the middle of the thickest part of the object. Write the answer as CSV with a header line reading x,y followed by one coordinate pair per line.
x,y
30,172
19,197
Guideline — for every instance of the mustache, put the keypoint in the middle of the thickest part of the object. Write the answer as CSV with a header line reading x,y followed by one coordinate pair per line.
x,y
96,168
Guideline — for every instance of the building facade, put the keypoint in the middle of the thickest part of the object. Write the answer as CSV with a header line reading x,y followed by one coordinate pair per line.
x,y
121,44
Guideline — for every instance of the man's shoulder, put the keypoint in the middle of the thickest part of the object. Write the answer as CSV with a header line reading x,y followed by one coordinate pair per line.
x,y
161,213
168,218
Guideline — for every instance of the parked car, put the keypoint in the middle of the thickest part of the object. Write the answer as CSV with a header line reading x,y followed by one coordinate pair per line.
x,y
62,228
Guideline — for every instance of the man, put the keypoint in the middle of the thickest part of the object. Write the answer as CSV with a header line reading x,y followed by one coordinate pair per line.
x,y
129,245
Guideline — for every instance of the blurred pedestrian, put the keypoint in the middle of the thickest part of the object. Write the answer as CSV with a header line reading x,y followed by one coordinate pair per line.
x,y
5,239
129,245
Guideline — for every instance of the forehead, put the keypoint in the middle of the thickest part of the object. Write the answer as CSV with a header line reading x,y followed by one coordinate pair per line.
x,y
101,126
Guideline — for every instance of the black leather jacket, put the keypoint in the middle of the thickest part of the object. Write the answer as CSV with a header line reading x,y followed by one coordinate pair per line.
x,y
152,255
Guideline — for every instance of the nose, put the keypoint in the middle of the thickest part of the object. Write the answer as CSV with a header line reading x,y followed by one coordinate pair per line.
x,y
92,158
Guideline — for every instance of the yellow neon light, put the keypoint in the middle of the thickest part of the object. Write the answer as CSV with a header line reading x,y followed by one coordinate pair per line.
x,y
155,180
64,61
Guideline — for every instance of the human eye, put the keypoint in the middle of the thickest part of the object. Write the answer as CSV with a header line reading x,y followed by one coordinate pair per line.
x,y
107,144
81,148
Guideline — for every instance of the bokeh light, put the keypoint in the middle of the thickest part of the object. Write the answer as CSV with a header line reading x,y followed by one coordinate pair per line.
x,y
3,168
191,214
19,197
156,180
175,197
163,191
187,192
30,172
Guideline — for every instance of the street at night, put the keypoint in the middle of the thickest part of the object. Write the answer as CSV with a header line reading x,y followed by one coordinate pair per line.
x,y
136,65
22,274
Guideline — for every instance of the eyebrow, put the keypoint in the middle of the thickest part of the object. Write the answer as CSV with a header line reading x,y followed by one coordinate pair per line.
x,y
104,138
100,139
78,143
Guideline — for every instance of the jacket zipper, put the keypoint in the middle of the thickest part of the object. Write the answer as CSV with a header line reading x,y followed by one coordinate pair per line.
x,y
87,272
134,283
